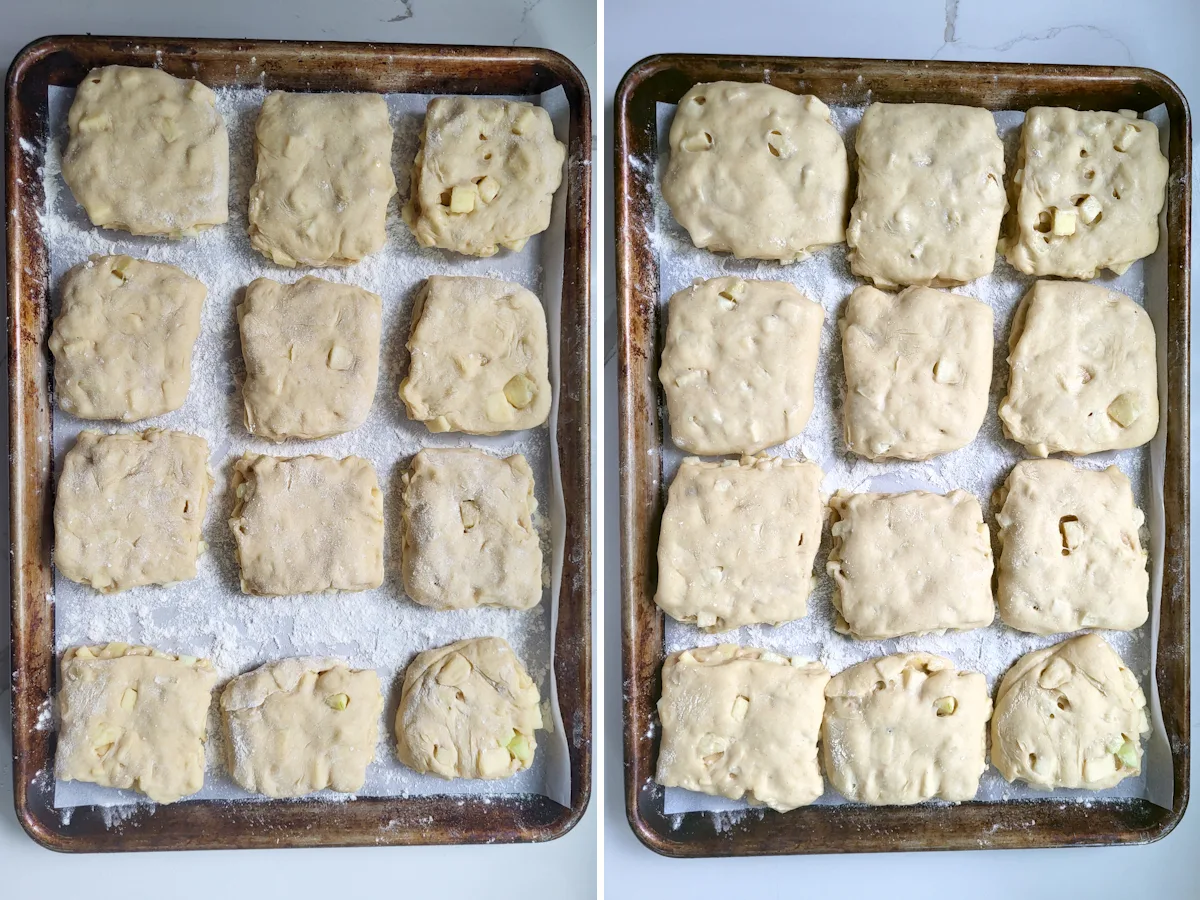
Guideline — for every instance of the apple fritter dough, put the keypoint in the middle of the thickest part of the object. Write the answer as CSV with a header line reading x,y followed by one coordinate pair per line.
x,y
1069,716
123,340
739,364
1083,372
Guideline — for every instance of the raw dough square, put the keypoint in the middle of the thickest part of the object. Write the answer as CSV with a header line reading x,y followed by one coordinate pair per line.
x,y
739,722
134,718
123,341
1070,554
484,176
130,508
300,725
757,171
1083,374
930,194
478,357
909,563
738,540
323,180
307,524
906,728
739,364
148,153
918,371
312,357
467,531
1089,187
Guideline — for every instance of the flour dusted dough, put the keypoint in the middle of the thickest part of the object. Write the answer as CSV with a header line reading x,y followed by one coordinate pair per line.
x,y
300,725
467,535
130,508
909,563
918,371
478,357
484,176
906,728
307,524
930,194
1083,375
739,364
757,171
739,722
123,341
323,179
1071,557
738,540
468,710
1089,188
147,153
1069,716
312,357
133,718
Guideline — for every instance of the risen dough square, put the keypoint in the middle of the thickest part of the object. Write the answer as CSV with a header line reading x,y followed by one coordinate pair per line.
x,y
484,176
300,725
130,508
739,364
906,728
930,194
738,540
133,718
739,722
123,340
1070,554
1083,375
478,357
467,535
1089,188
909,563
918,370
307,524
148,153
312,357
323,178
757,171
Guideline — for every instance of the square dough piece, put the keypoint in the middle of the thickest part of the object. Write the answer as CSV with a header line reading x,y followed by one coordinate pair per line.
x,y
739,364
484,176
134,718
467,531
300,725
148,153
1083,374
739,722
323,179
930,195
757,171
123,341
738,540
1089,188
307,524
312,357
918,371
906,728
130,508
478,357
909,563
1070,555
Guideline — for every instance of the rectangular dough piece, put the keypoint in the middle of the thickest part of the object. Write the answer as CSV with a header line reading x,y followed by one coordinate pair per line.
x,y
930,195
307,524
738,540
909,563
130,508
133,718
